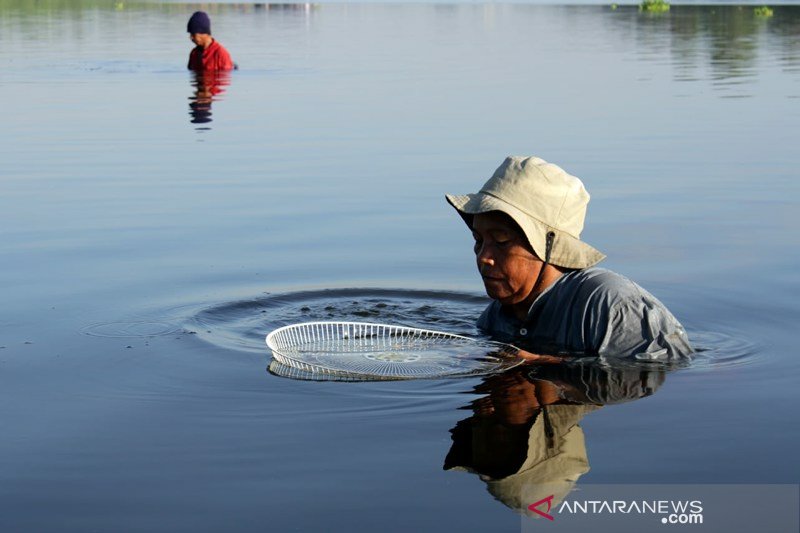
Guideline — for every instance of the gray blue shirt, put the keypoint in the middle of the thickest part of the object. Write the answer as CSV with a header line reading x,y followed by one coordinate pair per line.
x,y
593,312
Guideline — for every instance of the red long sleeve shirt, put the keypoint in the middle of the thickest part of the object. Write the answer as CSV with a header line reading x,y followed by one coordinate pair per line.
x,y
215,57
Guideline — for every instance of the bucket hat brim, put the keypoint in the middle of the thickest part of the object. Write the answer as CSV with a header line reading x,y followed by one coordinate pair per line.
x,y
567,250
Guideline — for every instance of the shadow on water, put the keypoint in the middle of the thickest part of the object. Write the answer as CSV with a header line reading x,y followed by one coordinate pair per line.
x,y
524,438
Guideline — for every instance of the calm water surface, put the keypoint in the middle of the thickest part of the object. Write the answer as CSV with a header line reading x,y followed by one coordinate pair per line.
x,y
155,226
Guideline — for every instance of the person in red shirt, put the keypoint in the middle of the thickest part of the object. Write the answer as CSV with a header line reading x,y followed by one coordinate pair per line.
x,y
208,54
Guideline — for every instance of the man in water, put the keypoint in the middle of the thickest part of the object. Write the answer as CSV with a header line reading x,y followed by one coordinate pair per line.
x,y
549,297
208,54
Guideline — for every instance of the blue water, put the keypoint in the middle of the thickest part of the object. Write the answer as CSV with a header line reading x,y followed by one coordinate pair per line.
x,y
145,253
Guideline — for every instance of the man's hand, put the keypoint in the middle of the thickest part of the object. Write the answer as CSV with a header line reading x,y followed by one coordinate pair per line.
x,y
535,358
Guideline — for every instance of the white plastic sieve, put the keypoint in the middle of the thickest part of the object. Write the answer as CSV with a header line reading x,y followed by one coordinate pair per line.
x,y
381,351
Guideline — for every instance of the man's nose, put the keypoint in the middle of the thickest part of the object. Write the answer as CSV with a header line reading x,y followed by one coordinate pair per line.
x,y
484,257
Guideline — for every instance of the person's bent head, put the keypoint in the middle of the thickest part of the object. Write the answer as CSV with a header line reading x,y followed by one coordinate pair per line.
x,y
526,222
199,28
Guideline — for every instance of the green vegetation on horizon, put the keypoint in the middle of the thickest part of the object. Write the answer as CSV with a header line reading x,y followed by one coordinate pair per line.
x,y
48,6
763,11
654,6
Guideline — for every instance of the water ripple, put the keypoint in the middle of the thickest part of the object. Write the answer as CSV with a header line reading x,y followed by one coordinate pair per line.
x,y
242,325
717,350
130,329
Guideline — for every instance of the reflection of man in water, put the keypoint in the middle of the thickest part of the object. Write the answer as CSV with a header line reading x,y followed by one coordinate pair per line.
x,y
524,440
548,295
208,54
207,86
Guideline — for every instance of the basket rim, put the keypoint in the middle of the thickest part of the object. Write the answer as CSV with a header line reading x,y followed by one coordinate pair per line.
x,y
280,355
272,334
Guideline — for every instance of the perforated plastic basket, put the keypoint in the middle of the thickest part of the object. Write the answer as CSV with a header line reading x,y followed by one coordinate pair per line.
x,y
381,351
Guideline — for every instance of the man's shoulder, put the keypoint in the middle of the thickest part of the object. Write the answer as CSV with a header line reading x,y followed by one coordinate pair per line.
x,y
217,48
612,293
222,59
598,284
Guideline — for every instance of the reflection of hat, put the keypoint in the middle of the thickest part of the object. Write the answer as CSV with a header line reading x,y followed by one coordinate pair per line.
x,y
556,458
540,197
199,23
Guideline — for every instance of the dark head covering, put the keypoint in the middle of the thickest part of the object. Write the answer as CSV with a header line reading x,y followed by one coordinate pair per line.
x,y
199,23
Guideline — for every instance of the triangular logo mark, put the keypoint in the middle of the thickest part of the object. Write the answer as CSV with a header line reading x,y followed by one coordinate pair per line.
x,y
546,514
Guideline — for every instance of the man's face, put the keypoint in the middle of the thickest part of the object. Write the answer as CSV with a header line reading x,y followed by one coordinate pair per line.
x,y
507,264
200,39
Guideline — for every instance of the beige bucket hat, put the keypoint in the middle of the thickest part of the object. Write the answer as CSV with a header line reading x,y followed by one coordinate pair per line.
x,y
541,198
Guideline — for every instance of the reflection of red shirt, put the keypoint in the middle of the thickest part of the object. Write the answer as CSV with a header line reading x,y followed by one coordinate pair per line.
x,y
215,57
211,82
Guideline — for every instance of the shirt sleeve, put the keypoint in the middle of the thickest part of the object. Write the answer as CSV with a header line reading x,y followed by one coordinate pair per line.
x,y
641,329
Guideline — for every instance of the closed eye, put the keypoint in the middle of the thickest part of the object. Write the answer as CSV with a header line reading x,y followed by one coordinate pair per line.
x,y
478,242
